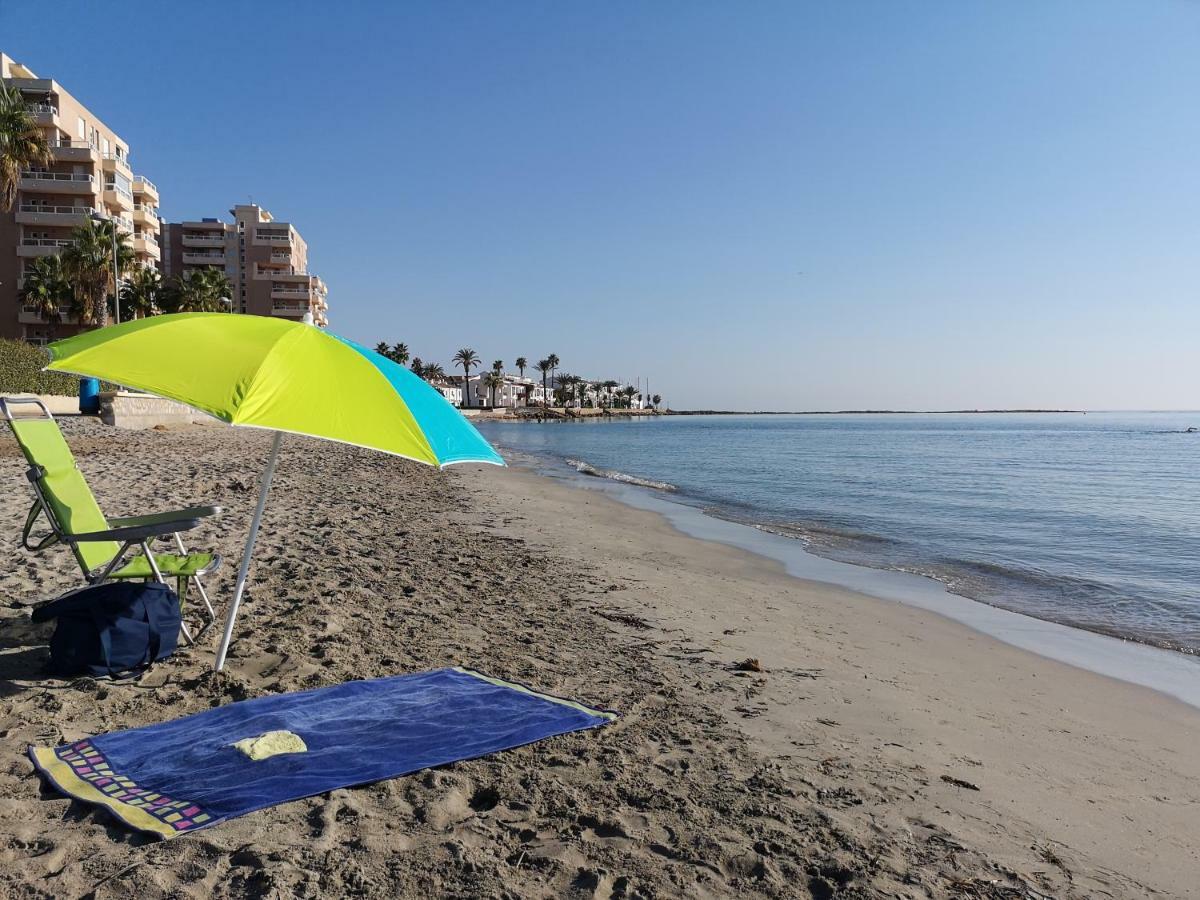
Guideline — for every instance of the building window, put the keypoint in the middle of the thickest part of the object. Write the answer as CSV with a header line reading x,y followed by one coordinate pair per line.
x,y
81,129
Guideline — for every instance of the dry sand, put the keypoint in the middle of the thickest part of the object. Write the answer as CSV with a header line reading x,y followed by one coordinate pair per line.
x,y
881,752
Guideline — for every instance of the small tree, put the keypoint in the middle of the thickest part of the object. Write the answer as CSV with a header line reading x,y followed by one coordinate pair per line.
x,y
139,293
46,290
492,381
543,366
468,359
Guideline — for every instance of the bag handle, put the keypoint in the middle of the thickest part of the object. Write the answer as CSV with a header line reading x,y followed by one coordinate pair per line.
x,y
105,637
155,623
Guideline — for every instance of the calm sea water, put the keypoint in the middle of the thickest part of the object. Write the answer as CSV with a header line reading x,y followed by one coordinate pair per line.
x,y
1089,520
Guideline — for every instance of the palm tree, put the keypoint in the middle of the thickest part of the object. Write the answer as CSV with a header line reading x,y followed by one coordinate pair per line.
x,y
418,368
493,380
468,359
553,360
543,366
46,289
522,363
629,392
433,372
564,387
197,290
656,399
22,144
217,291
139,293
383,349
88,264
399,354
498,366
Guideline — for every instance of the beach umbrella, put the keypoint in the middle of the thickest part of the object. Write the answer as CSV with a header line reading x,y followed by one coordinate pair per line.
x,y
285,376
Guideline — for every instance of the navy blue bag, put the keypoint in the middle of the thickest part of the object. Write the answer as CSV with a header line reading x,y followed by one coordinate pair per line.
x,y
111,628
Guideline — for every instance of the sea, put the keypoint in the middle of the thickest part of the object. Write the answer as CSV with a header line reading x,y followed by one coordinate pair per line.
x,y
1087,520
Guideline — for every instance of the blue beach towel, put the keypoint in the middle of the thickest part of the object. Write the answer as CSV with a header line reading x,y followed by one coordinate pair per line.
x,y
180,776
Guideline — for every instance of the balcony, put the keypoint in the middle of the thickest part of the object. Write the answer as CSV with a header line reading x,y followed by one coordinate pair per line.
x,y
204,240
124,224
66,150
145,244
44,214
143,185
44,114
42,246
272,237
298,294
58,182
28,316
204,259
115,163
284,257
298,309
261,274
146,215
116,196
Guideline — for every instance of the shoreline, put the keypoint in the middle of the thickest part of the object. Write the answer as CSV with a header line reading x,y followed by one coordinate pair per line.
x,y
1066,746
1168,671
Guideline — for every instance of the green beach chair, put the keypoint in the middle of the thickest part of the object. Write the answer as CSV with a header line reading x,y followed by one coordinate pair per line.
x,y
101,547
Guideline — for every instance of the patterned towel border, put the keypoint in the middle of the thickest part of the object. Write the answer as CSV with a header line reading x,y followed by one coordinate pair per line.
x,y
80,770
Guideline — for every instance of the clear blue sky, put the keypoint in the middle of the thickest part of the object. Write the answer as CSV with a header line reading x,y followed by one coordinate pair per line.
x,y
991,203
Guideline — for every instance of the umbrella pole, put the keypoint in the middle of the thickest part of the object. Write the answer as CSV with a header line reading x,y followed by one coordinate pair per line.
x,y
244,569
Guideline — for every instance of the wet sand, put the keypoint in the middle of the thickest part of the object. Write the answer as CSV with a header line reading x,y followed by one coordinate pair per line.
x,y
881,750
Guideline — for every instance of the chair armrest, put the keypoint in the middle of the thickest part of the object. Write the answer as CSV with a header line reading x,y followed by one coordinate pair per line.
x,y
192,512
139,528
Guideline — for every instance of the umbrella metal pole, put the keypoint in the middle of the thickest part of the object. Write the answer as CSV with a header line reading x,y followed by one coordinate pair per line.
x,y
244,569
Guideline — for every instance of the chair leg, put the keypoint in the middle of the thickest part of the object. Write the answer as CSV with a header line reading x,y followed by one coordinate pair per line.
x,y
204,596
158,576
212,613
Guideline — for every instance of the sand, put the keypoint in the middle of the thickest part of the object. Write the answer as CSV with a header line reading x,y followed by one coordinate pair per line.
x,y
881,751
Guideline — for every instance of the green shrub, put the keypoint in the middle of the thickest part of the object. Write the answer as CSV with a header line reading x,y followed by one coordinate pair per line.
x,y
21,372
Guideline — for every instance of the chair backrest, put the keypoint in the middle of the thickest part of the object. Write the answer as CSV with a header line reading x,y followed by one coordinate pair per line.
x,y
71,506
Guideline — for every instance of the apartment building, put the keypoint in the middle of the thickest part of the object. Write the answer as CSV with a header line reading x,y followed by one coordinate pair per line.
x,y
89,176
266,262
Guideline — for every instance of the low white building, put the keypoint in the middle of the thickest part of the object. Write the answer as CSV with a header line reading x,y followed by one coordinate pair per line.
x,y
450,390
513,392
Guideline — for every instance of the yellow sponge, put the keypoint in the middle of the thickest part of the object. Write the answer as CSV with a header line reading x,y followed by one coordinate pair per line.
x,y
272,743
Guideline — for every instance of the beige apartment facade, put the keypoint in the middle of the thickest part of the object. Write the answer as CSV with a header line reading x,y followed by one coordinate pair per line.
x,y
89,176
265,260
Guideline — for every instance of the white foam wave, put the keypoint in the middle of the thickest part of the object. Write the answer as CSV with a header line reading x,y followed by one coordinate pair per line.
x,y
585,468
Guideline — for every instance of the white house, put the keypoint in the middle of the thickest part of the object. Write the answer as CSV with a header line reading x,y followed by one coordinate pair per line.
x,y
450,390
514,391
